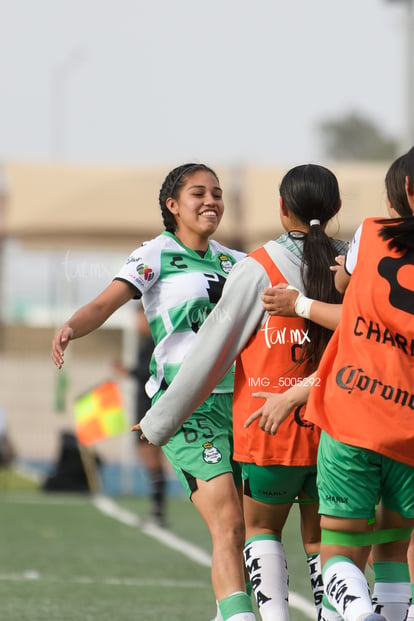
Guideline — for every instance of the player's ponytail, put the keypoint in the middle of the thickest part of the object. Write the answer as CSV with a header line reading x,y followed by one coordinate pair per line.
x,y
311,193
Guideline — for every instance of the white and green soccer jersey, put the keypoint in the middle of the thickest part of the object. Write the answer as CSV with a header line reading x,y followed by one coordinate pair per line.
x,y
179,288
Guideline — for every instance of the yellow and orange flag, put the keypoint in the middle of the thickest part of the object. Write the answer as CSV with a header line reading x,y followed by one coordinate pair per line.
x,y
99,414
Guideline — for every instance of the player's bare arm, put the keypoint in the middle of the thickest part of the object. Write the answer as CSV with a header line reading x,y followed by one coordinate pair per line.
x,y
90,317
341,276
285,300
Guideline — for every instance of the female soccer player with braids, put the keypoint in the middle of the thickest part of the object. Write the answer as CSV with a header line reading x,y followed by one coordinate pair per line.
x,y
180,275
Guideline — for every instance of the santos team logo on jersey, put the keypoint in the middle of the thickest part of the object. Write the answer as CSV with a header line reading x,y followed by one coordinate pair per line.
x,y
211,455
225,263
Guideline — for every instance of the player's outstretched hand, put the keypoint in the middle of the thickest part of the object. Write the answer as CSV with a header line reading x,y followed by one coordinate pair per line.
x,y
137,427
272,413
59,344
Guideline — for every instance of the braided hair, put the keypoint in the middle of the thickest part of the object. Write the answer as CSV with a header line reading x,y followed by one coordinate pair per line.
x,y
171,187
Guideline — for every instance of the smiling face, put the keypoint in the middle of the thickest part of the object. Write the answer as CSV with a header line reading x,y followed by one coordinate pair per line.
x,y
198,209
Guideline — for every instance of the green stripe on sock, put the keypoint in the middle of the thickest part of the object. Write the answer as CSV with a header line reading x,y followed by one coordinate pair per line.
x,y
335,559
390,571
234,604
262,538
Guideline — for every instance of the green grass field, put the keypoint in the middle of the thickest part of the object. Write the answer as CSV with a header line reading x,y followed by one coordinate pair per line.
x,y
63,558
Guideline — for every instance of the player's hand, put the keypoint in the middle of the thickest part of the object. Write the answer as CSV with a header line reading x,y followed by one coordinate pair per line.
x,y
137,427
60,343
340,262
280,300
272,413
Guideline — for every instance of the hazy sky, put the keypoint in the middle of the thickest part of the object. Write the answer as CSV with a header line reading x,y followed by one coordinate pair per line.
x,y
223,81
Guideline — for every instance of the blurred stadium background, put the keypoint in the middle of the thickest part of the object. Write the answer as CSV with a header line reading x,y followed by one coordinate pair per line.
x,y
64,232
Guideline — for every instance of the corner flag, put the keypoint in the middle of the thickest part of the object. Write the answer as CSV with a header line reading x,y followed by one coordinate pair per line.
x,y
99,414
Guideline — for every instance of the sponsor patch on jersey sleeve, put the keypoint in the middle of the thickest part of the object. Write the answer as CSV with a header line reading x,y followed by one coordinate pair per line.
x,y
140,272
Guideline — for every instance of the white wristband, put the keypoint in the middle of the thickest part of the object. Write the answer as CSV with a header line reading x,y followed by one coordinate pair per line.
x,y
302,306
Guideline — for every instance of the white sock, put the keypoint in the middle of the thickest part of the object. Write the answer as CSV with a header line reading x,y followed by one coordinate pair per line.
x,y
347,588
392,599
266,563
411,613
315,574
218,616
330,615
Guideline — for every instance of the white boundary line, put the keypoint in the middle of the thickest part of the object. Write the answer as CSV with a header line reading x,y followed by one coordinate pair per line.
x,y
31,575
109,507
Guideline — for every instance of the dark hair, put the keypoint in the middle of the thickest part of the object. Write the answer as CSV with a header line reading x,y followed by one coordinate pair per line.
x,y
311,192
171,187
399,232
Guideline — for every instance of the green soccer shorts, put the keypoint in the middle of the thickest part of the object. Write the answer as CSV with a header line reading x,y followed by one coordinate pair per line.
x,y
353,480
202,448
279,484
